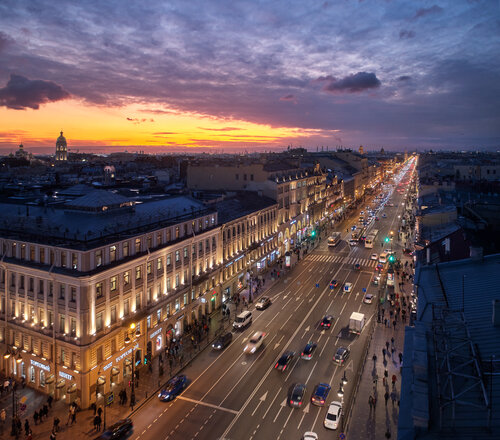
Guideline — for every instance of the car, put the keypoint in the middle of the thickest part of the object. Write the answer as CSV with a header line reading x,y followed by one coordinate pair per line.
x,y
263,303
341,355
309,435
368,299
407,251
362,213
382,259
388,251
334,283
333,415
320,394
284,360
347,287
353,227
379,267
326,322
357,266
384,215
308,351
376,219
254,342
374,256
222,341
376,280
118,430
173,388
296,395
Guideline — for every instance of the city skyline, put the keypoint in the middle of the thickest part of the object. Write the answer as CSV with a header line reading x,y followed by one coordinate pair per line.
x,y
167,77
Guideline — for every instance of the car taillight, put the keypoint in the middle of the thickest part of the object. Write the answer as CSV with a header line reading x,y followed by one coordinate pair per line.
x,y
322,401
302,354
291,402
276,366
300,403
284,367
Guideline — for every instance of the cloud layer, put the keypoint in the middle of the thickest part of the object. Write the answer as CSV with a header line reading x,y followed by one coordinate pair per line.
x,y
21,93
390,73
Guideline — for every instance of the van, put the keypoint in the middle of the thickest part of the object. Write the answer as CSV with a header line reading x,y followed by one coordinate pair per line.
x,y
243,320
382,259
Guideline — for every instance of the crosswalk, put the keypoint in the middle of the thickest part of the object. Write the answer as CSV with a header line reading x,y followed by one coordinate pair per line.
x,y
364,262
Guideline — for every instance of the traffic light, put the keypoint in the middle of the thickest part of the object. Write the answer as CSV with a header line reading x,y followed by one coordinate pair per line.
x,y
313,233
392,259
387,239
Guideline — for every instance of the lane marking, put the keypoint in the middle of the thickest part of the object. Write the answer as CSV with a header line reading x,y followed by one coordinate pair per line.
x,y
210,405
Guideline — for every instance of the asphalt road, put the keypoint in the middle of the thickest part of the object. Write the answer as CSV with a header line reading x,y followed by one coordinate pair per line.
x,y
232,395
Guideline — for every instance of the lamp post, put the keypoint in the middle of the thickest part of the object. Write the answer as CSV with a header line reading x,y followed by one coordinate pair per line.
x,y
15,432
128,340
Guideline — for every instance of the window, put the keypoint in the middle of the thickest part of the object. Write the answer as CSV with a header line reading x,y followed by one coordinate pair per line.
x,y
168,285
62,324
159,265
207,245
126,278
137,301
31,370
150,241
62,291
194,250
185,299
176,232
98,258
99,324
185,252
112,284
148,294
213,243
158,239
112,253
251,176
74,261
177,256
31,285
64,258
113,315
99,290
73,326
32,253
126,307
23,251
149,269
137,245
244,177
21,281
168,310
125,249
169,235
176,281
138,272
98,354
158,315
42,256
177,304
148,321
42,378
169,259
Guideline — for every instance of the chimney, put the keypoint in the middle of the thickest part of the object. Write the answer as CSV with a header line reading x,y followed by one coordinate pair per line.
x,y
496,313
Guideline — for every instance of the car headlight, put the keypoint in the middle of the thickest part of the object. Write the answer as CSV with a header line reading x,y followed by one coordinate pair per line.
x,y
159,395
252,350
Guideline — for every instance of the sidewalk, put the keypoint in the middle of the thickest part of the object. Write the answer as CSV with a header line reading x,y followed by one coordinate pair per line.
x,y
377,421
149,383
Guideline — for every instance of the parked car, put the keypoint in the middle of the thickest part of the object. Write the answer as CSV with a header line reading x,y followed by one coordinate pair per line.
x,y
308,351
320,394
173,388
263,303
119,430
222,341
296,395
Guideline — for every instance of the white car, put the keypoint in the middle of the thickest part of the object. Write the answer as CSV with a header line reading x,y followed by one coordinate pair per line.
x,y
310,436
347,287
382,259
368,298
374,257
254,342
333,415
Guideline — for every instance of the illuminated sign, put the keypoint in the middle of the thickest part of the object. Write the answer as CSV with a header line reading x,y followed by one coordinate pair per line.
x,y
125,354
157,332
65,375
40,365
107,366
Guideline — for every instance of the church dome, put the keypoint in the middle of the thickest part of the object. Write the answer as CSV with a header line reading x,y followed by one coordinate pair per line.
x,y
61,139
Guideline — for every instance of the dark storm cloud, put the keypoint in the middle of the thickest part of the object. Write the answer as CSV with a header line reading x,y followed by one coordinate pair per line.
x,y
21,93
353,83
404,78
404,34
422,12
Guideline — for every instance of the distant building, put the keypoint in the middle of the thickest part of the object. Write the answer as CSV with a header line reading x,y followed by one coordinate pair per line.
x,y
61,149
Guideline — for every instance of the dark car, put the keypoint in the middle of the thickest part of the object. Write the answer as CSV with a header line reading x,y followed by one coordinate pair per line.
x,y
173,387
353,227
296,395
326,322
263,303
320,394
341,355
380,267
407,251
334,283
119,430
222,341
284,360
308,351
357,266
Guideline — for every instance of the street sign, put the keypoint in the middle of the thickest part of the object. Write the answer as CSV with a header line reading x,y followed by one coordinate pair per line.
x,y
364,289
110,398
342,436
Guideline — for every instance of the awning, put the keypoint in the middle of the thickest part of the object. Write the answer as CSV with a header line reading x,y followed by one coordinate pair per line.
x,y
61,383
50,379
101,380
115,371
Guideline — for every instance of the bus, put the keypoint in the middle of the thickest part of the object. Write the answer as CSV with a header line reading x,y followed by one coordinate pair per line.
x,y
334,239
369,241
357,233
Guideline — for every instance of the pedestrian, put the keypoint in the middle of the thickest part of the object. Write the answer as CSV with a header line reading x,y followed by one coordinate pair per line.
x,y
384,352
40,414
393,398
387,434
375,380
93,407
26,427
73,414
99,411
49,401
387,345
55,426
400,358
35,417
385,322
370,402
394,324
96,417
374,358
394,380
392,352
99,421
30,435
52,435
392,342
386,397
45,410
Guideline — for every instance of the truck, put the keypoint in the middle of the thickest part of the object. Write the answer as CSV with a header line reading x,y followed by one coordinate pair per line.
x,y
356,322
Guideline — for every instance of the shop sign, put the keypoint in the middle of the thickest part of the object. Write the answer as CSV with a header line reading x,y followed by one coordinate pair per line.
x,y
125,354
107,366
40,365
157,332
65,375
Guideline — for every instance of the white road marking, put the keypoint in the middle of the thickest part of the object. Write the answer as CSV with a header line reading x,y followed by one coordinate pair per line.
x,y
262,399
283,404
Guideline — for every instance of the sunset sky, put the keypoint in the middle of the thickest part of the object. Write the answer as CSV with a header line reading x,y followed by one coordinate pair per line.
x,y
249,75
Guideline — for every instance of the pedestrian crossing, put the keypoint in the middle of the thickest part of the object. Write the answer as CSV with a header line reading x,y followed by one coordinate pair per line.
x,y
364,262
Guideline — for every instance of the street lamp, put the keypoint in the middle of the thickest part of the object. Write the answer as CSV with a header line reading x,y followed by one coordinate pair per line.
x,y
340,392
127,341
